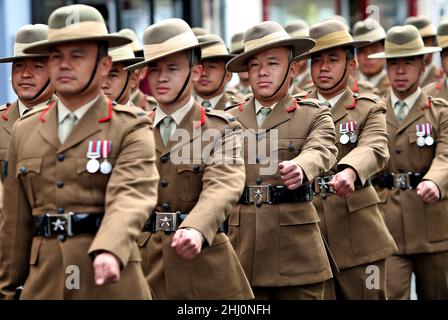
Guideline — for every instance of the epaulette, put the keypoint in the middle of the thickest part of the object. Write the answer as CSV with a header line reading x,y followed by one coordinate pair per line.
x,y
33,111
240,105
309,102
438,101
221,114
134,110
4,106
367,95
152,101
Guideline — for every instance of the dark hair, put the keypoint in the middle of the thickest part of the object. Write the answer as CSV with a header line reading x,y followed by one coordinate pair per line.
x,y
350,52
103,48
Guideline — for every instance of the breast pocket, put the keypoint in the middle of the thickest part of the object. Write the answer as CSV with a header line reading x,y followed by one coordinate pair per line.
x,y
421,155
190,181
289,148
29,173
92,185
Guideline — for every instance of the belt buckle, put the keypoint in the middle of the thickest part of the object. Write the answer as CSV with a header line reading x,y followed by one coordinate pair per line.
x,y
402,180
260,194
324,187
59,224
166,221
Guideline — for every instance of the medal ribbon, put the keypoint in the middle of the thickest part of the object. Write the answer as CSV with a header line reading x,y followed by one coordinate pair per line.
x,y
106,148
428,129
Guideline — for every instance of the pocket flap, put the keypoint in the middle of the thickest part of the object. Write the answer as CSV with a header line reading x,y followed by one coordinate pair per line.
x,y
195,168
362,198
28,165
412,137
35,250
143,238
297,213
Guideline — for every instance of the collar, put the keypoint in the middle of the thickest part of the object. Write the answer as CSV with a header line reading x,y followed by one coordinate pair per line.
x,y
410,101
177,116
258,106
333,101
63,111
23,108
300,77
375,79
213,101
135,94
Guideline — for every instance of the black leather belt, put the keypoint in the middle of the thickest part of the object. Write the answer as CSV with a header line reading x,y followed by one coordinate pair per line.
x,y
322,186
390,180
168,222
271,194
67,224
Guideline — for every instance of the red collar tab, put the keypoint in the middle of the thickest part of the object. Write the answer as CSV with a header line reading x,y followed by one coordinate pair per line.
x,y
438,85
106,119
202,121
4,115
152,113
428,103
43,113
355,86
294,107
353,105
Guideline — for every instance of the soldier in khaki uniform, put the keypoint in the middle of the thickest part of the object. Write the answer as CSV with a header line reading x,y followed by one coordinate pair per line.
x,y
413,186
428,32
81,177
210,88
274,228
439,88
350,220
30,82
186,254
371,70
138,98
237,47
118,84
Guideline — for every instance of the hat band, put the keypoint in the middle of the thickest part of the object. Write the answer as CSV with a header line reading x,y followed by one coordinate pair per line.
x,y
19,48
122,53
299,33
272,37
333,39
427,31
176,43
443,41
373,35
84,29
395,48
214,50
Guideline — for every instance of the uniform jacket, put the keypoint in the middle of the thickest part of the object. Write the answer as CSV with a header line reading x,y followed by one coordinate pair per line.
x,y
354,228
418,227
434,74
44,176
207,191
147,103
437,89
280,244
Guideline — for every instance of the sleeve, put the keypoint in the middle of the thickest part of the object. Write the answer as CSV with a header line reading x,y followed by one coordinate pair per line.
x,y
131,193
319,150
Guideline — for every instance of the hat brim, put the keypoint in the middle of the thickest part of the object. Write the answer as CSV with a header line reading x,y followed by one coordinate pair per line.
x,y
17,58
44,47
160,56
354,44
239,63
128,62
384,55
225,57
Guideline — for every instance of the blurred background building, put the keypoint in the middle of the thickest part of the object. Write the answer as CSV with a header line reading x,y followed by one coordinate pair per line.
x,y
223,17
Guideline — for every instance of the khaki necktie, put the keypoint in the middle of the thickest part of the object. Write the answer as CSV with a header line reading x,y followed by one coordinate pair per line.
x,y
327,104
262,115
66,127
167,130
206,104
400,110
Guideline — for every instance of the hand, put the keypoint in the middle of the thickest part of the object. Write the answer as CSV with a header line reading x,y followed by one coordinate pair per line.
x,y
428,191
187,242
106,268
344,182
291,174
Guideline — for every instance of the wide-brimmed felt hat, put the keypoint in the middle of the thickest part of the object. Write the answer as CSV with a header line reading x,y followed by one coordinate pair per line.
x,y
135,44
331,34
368,30
76,23
27,35
423,24
165,38
237,43
263,36
124,55
442,34
218,50
298,29
339,18
403,41
198,31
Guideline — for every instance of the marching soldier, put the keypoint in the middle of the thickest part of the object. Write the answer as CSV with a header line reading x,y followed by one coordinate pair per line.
x,y
118,84
274,228
303,81
439,88
428,33
186,254
371,70
81,177
413,186
210,88
138,98
347,204
30,82
237,47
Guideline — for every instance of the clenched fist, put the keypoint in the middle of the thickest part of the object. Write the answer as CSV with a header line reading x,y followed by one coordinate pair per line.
x,y
344,182
428,191
187,243
291,174
106,268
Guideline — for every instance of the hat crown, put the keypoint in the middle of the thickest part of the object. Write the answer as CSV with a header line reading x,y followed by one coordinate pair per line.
x,y
401,35
442,30
215,50
72,15
237,42
129,33
32,33
423,24
366,26
122,53
328,27
168,29
297,28
264,29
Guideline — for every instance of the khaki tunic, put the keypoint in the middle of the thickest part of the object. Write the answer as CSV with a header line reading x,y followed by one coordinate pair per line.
x,y
280,244
353,227
437,89
47,177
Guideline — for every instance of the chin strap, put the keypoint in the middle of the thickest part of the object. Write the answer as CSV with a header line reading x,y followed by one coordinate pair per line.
x,y
124,88
341,79
286,75
187,80
92,76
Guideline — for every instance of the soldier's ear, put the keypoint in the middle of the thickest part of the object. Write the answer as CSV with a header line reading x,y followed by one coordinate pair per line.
x,y
294,69
196,72
105,65
228,76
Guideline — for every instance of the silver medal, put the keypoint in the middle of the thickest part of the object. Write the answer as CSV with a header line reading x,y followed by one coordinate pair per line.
x,y
421,142
92,166
429,141
344,139
106,167
353,137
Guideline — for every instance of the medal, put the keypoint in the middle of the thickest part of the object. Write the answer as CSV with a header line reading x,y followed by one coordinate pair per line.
x,y
429,140
420,135
343,130
106,166
353,136
93,154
